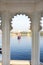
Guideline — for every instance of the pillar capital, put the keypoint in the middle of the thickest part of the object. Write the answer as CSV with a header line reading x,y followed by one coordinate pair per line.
x,y
35,17
7,17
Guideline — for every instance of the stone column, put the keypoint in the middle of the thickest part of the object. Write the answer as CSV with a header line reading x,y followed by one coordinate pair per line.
x,y
35,39
5,39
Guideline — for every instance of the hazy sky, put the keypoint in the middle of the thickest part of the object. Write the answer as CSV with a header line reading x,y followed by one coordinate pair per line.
x,y
41,23
21,23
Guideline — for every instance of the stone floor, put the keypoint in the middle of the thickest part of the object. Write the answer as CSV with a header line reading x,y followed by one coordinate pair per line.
x,y
19,62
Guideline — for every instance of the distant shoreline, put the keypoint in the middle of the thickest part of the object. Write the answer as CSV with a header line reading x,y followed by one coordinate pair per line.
x,y
24,33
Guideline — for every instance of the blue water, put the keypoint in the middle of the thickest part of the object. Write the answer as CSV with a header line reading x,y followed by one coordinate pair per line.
x,y
21,49
41,48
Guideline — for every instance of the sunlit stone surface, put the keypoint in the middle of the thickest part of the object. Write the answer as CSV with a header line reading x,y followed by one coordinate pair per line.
x,y
18,62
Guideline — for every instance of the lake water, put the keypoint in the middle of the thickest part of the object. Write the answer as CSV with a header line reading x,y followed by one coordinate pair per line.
x,y
21,49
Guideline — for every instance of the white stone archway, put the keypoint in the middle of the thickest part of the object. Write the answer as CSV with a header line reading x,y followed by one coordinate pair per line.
x,y
6,39
11,7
